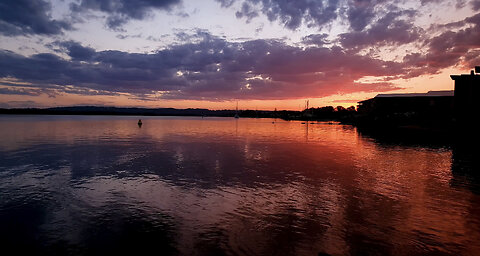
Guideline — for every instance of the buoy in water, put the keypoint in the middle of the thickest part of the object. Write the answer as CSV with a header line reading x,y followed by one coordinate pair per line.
x,y
139,122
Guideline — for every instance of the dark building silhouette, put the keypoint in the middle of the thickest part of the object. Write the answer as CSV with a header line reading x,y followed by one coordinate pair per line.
x,y
467,91
432,103
436,106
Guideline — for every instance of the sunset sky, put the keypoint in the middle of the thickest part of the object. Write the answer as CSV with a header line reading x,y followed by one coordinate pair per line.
x,y
263,54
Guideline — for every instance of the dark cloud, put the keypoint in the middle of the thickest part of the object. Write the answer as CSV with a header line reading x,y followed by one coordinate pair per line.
x,y
121,11
226,3
365,15
424,2
458,3
76,51
247,12
38,67
290,13
315,39
472,58
120,36
448,48
475,5
21,17
360,13
391,29
210,68
20,91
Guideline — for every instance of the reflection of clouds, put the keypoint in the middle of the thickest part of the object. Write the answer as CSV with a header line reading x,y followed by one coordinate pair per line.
x,y
74,214
242,212
258,153
217,166
178,157
264,191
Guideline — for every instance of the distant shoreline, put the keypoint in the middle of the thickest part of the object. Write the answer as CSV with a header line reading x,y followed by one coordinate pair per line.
x,y
120,111
93,110
308,115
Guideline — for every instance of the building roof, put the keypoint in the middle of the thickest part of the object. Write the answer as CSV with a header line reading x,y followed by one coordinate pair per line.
x,y
406,95
471,76
428,94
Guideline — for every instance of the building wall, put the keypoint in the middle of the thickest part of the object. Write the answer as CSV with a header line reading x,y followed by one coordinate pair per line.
x,y
467,90
440,105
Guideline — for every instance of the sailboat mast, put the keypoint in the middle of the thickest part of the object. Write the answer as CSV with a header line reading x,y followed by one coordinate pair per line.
x,y
236,111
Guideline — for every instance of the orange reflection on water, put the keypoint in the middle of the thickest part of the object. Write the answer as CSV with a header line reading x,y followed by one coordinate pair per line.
x,y
261,186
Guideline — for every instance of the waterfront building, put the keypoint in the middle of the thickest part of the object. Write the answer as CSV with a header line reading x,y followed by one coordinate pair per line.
x,y
467,89
432,102
458,104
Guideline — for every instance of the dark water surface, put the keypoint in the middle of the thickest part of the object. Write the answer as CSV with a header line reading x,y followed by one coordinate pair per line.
x,y
99,185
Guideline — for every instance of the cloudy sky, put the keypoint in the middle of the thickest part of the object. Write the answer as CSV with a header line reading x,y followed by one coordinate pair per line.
x,y
264,54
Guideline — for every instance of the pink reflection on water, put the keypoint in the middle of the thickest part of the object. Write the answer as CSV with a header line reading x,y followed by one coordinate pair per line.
x,y
262,186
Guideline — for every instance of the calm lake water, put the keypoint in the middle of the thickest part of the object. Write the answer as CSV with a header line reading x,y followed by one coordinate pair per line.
x,y
101,185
